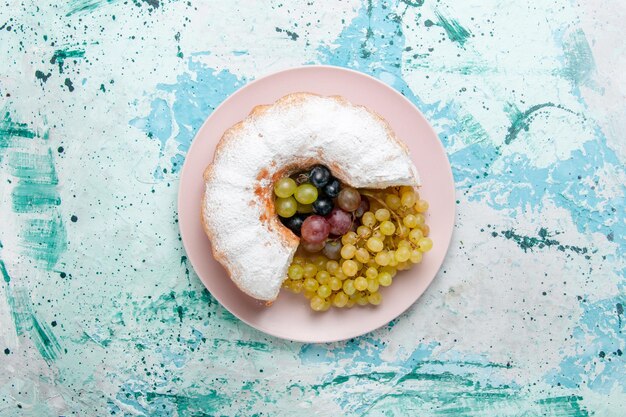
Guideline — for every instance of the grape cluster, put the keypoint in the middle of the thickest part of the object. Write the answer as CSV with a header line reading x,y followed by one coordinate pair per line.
x,y
364,241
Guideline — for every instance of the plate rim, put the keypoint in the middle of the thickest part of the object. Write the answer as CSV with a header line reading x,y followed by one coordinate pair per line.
x,y
185,168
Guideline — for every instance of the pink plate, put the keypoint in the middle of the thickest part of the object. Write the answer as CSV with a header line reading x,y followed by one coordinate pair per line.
x,y
290,316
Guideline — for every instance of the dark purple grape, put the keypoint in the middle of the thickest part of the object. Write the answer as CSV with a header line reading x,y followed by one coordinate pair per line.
x,y
322,206
319,176
332,250
349,199
339,221
294,223
332,188
363,207
315,229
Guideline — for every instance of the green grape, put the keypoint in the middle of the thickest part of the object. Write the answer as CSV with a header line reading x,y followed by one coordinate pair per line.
x,y
385,279
403,254
306,193
416,256
415,235
320,262
349,238
393,201
387,228
335,283
295,271
360,283
310,270
374,244
348,287
362,299
286,207
305,208
324,291
348,251
408,198
322,277
317,303
310,284
382,214
392,258
368,219
364,232
332,267
297,286
410,221
362,255
285,187
425,244
375,298
349,268
372,285
371,272
382,258
340,299
421,206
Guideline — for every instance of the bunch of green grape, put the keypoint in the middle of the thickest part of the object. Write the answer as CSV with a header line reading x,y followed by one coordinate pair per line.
x,y
391,236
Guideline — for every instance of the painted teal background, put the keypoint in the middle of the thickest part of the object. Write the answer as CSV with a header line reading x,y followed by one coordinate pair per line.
x,y
101,314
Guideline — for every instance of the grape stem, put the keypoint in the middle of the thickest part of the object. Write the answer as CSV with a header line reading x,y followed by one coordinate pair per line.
x,y
395,215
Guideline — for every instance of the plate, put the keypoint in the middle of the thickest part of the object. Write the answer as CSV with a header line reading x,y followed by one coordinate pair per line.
x,y
290,316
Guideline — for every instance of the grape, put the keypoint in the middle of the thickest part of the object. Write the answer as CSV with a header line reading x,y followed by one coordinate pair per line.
x,y
294,223
390,270
408,198
320,262
419,218
312,247
393,201
324,291
362,300
349,268
332,267
372,285
340,299
360,283
349,238
296,286
363,207
317,303
305,208
310,284
348,287
309,270
382,215
319,176
286,207
323,206
410,221
374,244
335,283
371,272
350,303
295,272
387,228
339,221
385,279
285,187
315,229
306,194
332,188
375,298
421,206
348,251
363,231
362,255
382,258
425,244
326,305
368,219
392,258
425,229
332,250
403,254
378,234
349,199
322,277
415,235
416,256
